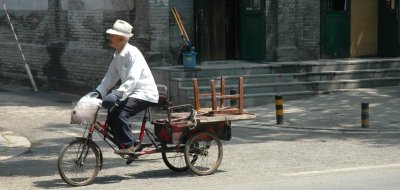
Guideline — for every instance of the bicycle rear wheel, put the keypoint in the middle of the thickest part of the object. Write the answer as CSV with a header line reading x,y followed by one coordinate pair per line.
x,y
79,162
175,160
206,149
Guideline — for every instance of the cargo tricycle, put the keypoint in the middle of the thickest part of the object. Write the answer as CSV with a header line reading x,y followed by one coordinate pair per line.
x,y
187,140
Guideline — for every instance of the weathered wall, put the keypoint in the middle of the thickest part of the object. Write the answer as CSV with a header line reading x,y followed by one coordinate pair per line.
x,y
271,11
298,29
292,28
159,54
64,40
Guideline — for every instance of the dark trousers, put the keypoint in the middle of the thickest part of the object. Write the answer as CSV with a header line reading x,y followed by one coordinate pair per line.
x,y
119,120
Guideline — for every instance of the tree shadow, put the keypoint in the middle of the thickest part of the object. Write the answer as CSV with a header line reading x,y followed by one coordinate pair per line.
x,y
111,179
59,183
259,135
54,69
51,184
28,97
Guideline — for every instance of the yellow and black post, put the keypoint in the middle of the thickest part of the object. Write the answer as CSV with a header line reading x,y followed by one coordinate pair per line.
x,y
279,109
364,115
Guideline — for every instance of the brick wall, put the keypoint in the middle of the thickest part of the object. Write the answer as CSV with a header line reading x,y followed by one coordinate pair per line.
x,y
297,29
159,54
292,28
271,11
64,40
308,27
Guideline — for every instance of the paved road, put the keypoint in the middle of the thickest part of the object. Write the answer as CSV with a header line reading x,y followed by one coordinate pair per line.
x,y
259,156
366,178
262,157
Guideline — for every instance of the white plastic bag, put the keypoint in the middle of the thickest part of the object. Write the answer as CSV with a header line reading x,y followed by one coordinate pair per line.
x,y
85,110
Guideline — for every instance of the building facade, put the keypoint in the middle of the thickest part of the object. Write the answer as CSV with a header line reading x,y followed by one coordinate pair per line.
x,y
64,40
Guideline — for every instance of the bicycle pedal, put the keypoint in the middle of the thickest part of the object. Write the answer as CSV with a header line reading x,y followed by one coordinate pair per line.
x,y
131,158
124,156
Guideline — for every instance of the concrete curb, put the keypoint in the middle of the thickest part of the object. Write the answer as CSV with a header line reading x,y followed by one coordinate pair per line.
x,y
316,129
12,144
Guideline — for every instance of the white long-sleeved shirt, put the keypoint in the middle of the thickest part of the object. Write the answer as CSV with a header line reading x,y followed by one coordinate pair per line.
x,y
137,81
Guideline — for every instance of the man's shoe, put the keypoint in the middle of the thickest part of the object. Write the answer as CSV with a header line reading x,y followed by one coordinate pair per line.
x,y
130,150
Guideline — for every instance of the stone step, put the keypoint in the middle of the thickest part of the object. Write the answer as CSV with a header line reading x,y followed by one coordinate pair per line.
x,y
266,98
304,86
255,93
279,67
293,77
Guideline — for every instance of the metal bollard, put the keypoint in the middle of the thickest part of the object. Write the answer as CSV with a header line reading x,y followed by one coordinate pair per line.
x,y
364,115
279,110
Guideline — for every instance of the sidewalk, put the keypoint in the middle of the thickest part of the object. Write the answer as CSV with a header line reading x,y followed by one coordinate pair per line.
x,y
18,98
12,144
338,112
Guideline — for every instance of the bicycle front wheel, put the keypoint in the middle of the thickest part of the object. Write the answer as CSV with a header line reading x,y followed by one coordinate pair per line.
x,y
79,162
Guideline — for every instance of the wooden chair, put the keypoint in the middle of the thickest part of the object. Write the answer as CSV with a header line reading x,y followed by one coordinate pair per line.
x,y
214,96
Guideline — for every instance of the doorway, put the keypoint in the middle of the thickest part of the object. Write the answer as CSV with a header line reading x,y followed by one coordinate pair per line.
x,y
388,35
335,28
252,30
364,28
359,28
230,29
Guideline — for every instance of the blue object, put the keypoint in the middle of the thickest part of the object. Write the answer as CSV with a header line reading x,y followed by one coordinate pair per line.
x,y
189,60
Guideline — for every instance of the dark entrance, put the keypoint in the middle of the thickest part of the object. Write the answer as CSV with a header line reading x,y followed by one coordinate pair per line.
x,y
230,29
217,25
335,28
388,32
252,29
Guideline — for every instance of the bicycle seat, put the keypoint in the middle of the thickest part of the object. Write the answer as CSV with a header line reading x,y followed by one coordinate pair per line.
x,y
162,95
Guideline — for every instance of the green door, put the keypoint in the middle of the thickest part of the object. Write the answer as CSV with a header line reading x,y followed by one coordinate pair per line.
x,y
230,29
388,40
199,28
252,29
335,28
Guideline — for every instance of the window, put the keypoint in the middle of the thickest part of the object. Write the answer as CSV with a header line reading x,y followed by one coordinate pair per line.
x,y
339,5
390,5
253,5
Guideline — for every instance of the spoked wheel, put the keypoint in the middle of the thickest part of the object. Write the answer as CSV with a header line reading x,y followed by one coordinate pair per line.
x,y
174,158
206,148
79,162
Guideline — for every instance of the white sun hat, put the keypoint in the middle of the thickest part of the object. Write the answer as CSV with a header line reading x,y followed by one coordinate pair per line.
x,y
121,28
